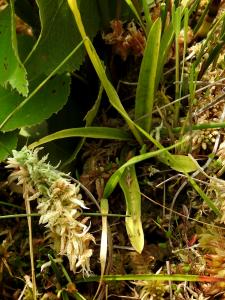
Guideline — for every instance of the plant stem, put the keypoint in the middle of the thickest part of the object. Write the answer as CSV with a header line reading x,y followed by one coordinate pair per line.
x,y
34,286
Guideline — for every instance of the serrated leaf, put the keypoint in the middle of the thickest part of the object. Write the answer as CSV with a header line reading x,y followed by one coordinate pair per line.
x,y
130,186
48,100
8,142
11,69
59,36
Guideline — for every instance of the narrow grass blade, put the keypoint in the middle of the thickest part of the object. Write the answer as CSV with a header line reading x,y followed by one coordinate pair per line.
x,y
176,20
104,241
147,78
165,44
88,132
132,7
110,90
156,277
201,193
186,19
130,186
55,269
112,182
89,118
212,55
208,39
78,296
147,15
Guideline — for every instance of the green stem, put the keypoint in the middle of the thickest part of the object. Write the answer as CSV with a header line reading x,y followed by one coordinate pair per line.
x,y
153,277
110,91
197,127
83,214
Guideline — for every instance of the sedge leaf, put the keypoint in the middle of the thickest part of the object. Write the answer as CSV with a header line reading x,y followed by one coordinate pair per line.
x,y
147,78
91,132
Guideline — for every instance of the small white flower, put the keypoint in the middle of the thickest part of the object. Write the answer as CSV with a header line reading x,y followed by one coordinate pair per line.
x,y
59,204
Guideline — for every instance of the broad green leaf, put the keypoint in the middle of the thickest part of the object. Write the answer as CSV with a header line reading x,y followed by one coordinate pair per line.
x,y
91,132
180,163
104,242
11,69
146,81
130,186
25,44
48,100
8,142
59,36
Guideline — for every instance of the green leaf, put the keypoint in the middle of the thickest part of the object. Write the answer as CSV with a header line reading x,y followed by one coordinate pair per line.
x,y
134,10
25,44
149,22
130,186
11,69
91,114
166,41
113,180
180,163
59,36
48,100
8,142
110,90
91,132
57,272
207,200
146,81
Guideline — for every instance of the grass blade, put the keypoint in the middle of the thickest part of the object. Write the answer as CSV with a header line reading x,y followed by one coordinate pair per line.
x,y
166,41
201,193
110,90
114,179
132,7
147,78
88,132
